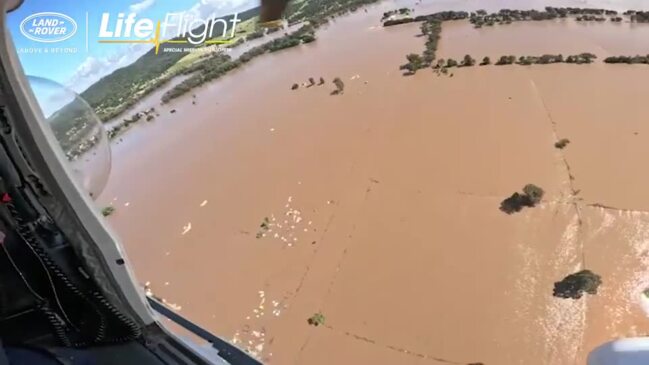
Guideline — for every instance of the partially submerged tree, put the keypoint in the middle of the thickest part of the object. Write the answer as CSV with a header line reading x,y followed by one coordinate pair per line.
x,y
106,211
295,86
340,86
415,62
515,203
575,285
534,192
485,61
531,196
311,81
321,82
506,60
468,61
316,320
562,143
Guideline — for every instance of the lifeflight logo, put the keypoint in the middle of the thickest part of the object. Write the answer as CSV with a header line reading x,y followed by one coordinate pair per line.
x,y
114,29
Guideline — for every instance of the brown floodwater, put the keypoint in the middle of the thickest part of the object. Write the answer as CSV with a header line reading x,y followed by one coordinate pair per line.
x,y
383,202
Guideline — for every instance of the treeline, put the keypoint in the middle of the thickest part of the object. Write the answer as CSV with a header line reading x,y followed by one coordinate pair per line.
x,y
216,67
416,62
638,16
401,11
467,61
256,34
481,18
439,16
628,59
506,16
115,131
319,12
431,28
581,58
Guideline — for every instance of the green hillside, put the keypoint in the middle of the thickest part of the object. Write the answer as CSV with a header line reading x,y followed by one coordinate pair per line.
x,y
121,89
117,91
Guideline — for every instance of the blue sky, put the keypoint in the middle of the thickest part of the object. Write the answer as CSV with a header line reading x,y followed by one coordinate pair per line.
x,y
81,69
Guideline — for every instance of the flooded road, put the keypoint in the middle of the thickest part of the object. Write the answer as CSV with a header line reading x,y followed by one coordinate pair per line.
x,y
380,205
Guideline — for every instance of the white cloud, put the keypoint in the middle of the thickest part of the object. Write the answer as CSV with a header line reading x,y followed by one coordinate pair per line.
x,y
141,6
219,8
92,68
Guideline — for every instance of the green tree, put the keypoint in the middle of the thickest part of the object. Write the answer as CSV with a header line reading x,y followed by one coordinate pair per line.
x,y
562,143
575,285
468,61
534,192
415,62
106,211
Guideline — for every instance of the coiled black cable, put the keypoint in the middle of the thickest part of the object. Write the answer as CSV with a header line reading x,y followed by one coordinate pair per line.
x,y
102,309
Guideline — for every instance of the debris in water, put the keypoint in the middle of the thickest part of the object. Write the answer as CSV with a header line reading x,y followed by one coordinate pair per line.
x,y
264,227
272,129
186,228
172,111
127,204
204,203
174,306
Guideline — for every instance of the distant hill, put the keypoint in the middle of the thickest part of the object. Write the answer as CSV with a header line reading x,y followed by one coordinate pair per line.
x,y
113,93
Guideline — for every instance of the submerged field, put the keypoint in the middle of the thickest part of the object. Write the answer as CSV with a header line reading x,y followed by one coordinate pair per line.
x,y
382,203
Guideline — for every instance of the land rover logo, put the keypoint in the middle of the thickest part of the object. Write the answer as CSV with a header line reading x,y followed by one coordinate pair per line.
x,y
48,27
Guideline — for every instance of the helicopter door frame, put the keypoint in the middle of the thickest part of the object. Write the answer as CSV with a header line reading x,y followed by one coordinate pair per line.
x,y
72,210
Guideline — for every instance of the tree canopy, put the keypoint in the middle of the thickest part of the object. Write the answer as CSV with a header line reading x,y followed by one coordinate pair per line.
x,y
575,285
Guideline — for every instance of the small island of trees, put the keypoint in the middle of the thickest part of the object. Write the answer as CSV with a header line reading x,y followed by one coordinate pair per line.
x,y
575,285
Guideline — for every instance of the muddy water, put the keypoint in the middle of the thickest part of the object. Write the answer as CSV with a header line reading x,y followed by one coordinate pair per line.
x,y
383,202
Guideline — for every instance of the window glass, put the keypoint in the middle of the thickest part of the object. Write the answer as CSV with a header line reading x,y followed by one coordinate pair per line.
x,y
366,182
